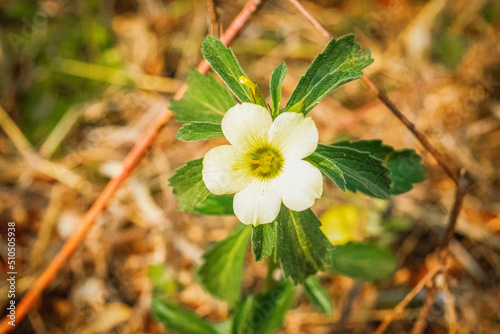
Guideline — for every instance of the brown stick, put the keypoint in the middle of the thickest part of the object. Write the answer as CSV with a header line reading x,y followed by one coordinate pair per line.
x,y
402,304
460,192
319,27
422,315
131,160
215,27
410,126
442,250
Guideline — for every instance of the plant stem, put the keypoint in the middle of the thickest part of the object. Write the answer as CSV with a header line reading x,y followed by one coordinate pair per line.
x,y
271,265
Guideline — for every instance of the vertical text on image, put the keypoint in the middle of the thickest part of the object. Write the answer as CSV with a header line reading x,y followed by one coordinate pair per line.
x,y
11,278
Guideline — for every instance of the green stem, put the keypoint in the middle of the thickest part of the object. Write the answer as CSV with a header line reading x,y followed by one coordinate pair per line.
x,y
271,265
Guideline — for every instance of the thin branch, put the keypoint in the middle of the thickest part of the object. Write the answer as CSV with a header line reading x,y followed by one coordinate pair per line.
x,y
131,160
114,76
37,163
319,27
442,249
460,192
15,135
442,252
409,297
215,27
410,126
422,315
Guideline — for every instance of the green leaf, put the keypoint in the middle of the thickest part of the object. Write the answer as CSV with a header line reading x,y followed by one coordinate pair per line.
x,y
178,319
317,295
263,241
221,273
361,171
448,48
188,185
490,12
264,314
199,131
223,61
243,313
162,283
361,260
223,327
340,62
301,246
397,224
275,86
404,165
297,107
406,169
216,205
204,101
375,147
329,168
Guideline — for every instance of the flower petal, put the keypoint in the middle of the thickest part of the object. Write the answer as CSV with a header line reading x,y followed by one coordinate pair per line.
x,y
301,183
246,125
294,135
221,173
259,203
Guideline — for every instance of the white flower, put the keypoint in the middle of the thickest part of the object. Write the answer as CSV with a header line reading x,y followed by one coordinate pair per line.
x,y
263,165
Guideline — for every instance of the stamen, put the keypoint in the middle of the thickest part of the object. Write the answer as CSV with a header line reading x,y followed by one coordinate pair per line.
x,y
265,162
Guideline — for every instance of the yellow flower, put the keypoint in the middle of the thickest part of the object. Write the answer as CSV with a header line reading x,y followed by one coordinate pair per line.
x,y
340,224
263,165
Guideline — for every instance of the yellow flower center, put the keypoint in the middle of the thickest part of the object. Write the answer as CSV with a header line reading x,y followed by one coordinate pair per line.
x,y
266,162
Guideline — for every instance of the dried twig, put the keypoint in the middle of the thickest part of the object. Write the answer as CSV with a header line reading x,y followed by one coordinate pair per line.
x,y
442,249
424,311
410,126
460,192
215,27
402,304
15,135
114,76
318,26
442,252
129,163
35,162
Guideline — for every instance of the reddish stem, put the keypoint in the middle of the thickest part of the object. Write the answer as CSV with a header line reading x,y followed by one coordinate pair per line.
x,y
131,160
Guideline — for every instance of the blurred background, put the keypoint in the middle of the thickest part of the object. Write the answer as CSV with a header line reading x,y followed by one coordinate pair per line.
x,y
82,80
